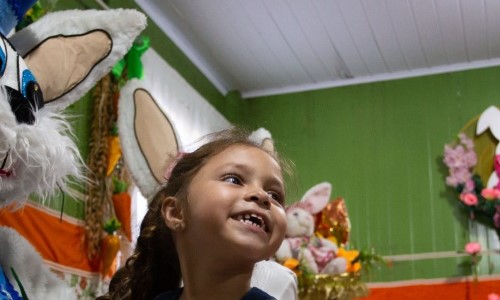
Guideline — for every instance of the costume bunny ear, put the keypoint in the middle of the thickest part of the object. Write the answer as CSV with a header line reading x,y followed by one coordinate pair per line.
x,y
66,53
263,137
147,136
317,197
69,51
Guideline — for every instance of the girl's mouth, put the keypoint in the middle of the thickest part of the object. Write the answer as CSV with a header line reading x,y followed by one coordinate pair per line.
x,y
251,219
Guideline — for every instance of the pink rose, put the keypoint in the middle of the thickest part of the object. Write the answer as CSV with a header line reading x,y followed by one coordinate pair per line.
x,y
468,198
473,248
493,296
490,194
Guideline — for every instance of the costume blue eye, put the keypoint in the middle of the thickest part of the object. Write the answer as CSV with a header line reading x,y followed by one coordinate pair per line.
x,y
3,58
25,101
27,81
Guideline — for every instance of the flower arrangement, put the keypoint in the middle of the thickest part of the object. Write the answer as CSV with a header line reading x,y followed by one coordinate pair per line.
x,y
480,202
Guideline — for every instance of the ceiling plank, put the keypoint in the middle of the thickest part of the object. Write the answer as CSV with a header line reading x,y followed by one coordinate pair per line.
x,y
262,56
474,19
382,28
340,38
266,25
492,8
355,18
210,26
406,33
171,21
427,24
316,36
452,30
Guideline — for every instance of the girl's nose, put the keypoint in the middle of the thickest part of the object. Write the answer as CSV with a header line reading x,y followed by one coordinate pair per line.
x,y
260,196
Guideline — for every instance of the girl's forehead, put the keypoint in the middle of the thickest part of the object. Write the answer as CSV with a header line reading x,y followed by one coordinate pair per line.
x,y
243,151
241,154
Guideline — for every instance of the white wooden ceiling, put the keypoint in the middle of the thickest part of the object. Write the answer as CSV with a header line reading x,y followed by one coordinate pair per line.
x,y
266,47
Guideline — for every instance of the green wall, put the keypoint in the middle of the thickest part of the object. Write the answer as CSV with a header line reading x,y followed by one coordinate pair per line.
x,y
379,144
381,147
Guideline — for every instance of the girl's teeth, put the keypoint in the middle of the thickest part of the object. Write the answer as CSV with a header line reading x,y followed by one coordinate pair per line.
x,y
246,218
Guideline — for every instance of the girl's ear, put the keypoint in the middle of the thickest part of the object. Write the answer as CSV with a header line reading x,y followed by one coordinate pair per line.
x,y
173,214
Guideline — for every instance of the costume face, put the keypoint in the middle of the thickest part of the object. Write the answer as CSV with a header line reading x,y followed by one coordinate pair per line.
x,y
235,205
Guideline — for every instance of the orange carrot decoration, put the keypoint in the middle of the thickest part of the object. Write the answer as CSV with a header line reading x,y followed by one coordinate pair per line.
x,y
110,245
114,149
122,203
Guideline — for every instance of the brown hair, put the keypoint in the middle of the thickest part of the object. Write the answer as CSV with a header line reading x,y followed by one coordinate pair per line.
x,y
154,266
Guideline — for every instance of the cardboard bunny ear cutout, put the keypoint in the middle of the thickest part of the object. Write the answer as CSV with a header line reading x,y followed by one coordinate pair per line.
x,y
69,51
317,197
147,136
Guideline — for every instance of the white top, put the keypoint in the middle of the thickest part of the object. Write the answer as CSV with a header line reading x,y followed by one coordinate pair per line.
x,y
275,279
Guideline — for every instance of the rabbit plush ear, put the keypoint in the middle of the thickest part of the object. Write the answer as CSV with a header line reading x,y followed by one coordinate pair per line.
x,y
147,136
316,198
68,51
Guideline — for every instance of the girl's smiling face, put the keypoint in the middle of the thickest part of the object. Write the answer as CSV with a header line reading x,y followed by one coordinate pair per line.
x,y
235,205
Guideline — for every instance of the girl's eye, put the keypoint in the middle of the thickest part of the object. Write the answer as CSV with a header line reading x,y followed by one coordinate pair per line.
x,y
276,198
232,179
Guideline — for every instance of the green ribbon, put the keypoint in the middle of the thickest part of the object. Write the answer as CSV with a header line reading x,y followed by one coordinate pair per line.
x,y
132,60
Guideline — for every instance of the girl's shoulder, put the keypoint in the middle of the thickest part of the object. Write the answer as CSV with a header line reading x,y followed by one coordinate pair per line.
x,y
252,294
170,295
257,294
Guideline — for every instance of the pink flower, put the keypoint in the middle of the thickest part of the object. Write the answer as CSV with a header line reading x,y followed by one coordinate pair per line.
x,y
469,186
490,194
473,248
496,217
464,139
468,198
493,296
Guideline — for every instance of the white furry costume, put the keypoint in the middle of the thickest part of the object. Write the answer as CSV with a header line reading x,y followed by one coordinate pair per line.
x,y
66,53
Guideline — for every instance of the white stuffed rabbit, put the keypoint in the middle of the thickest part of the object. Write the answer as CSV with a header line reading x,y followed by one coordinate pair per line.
x,y
318,255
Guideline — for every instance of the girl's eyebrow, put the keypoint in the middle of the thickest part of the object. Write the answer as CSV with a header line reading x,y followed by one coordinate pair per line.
x,y
275,180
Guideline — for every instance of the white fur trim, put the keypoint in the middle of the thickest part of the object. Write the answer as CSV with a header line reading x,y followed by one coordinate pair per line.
x,y
41,156
123,25
37,279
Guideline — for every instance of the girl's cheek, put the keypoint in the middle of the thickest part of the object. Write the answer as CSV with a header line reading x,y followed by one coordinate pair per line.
x,y
281,220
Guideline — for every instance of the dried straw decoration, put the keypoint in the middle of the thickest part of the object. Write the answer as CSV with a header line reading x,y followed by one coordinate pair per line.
x,y
98,205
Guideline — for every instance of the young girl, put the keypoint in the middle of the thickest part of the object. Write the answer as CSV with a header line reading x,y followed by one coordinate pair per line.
x,y
220,213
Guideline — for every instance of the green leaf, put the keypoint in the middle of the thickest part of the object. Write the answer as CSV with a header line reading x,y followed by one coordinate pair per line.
x,y
119,186
112,225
